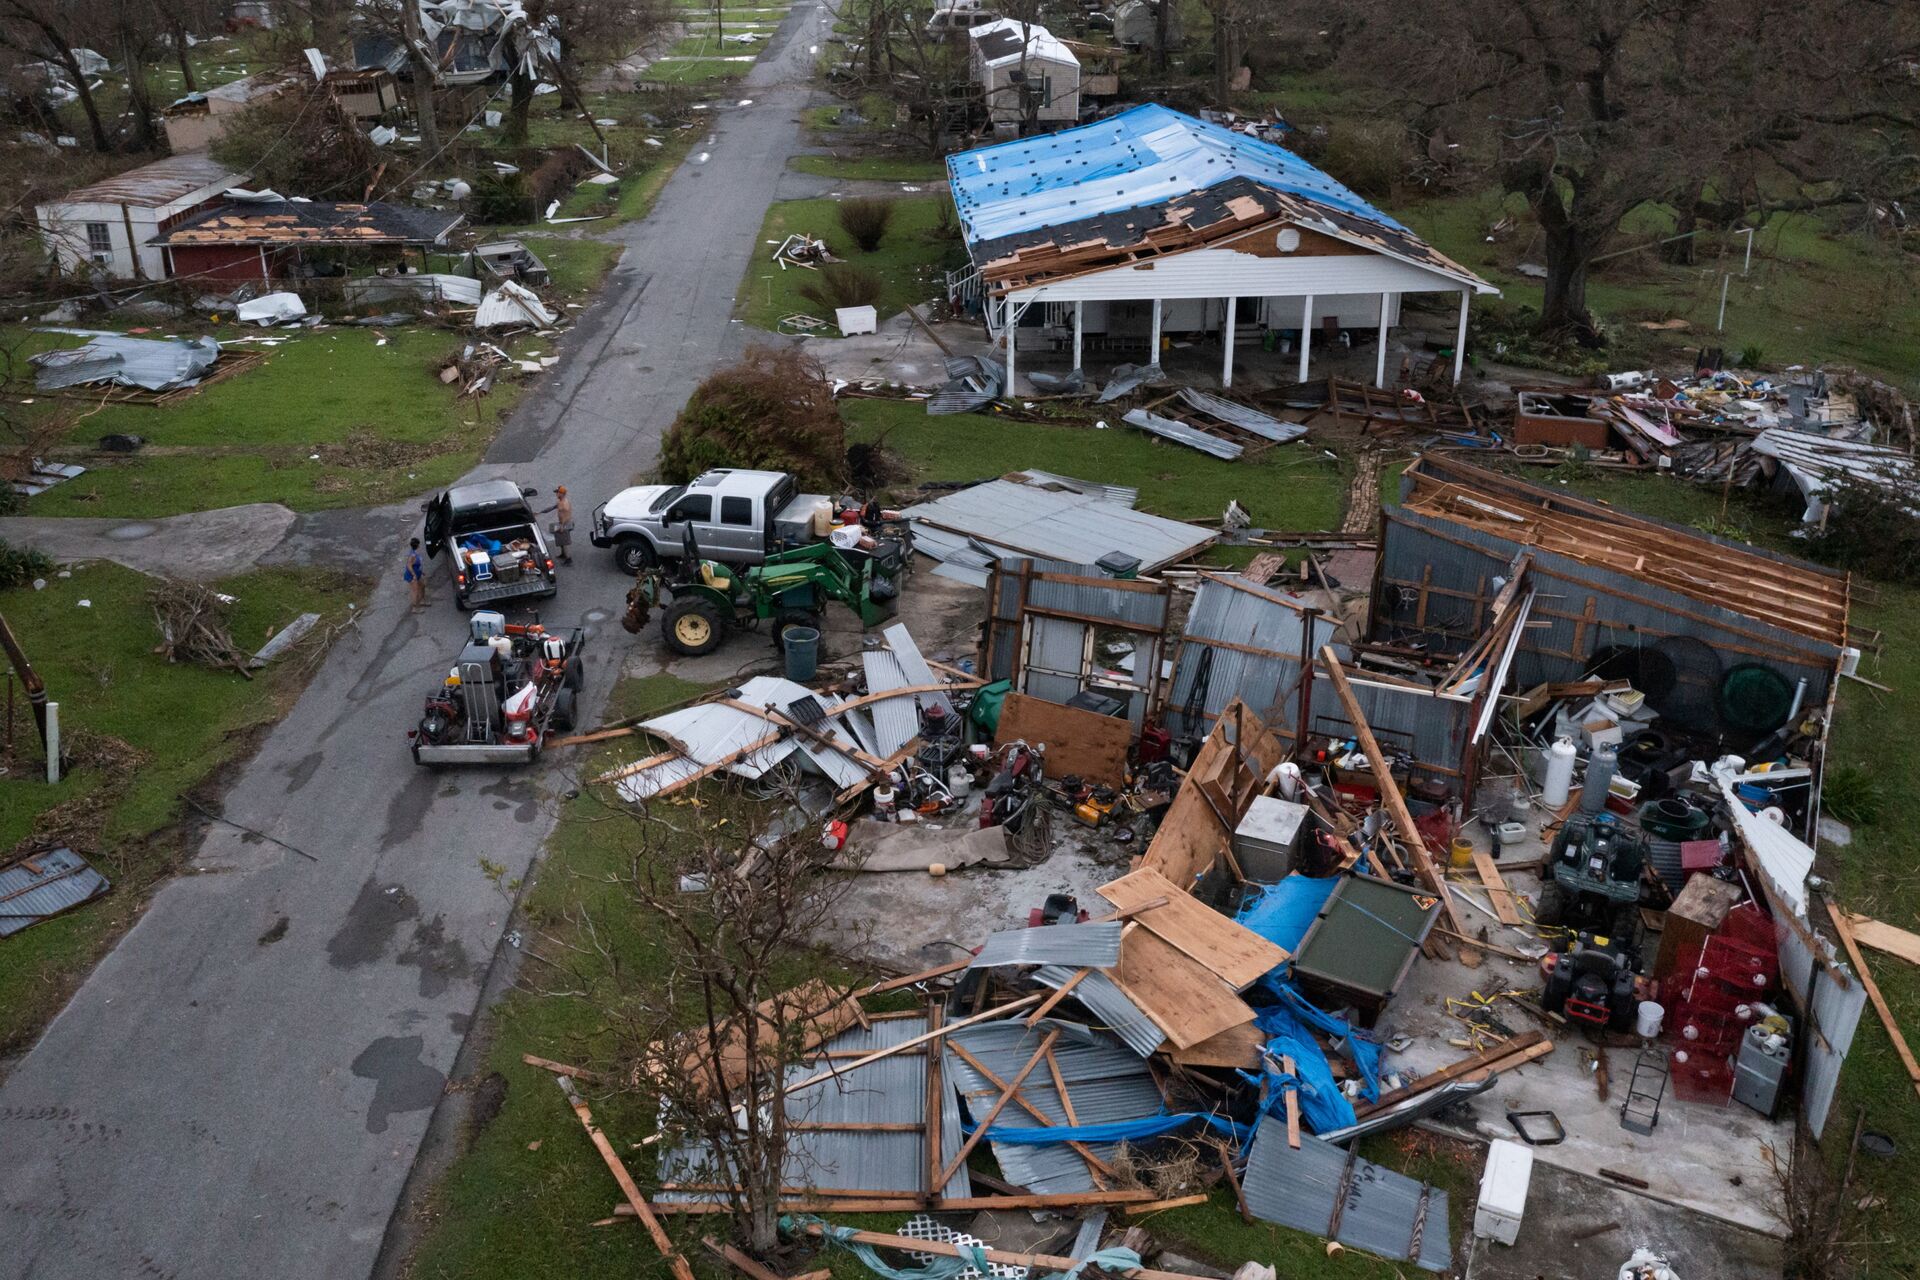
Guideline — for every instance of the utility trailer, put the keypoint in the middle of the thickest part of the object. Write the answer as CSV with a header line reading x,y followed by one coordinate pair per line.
x,y
510,688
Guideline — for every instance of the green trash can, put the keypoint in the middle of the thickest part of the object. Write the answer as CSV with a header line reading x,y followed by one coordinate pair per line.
x,y
802,646
985,712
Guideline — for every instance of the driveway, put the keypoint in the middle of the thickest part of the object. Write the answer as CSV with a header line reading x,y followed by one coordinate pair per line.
x,y
241,1086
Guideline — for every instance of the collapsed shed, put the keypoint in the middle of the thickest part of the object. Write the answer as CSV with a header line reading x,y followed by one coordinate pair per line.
x,y
271,240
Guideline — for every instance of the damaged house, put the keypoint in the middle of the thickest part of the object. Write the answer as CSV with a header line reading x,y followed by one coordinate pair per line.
x,y
268,240
1151,223
112,227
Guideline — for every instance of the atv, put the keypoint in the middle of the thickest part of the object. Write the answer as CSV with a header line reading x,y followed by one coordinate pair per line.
x,y
1592,879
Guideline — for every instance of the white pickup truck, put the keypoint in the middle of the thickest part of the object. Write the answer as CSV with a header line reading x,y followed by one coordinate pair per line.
x,y
738,517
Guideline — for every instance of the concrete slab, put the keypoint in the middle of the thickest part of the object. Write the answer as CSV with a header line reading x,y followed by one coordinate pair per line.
x,y
202,545
1562,1206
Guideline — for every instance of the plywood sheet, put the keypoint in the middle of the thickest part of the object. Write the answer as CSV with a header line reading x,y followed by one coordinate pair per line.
x,y
1078,742
1181,995
1235,953
815,1011
1891,939
1239,1046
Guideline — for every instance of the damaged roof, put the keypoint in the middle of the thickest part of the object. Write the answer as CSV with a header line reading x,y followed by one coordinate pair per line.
x,y
1154,179
314,222
1011,41
156,184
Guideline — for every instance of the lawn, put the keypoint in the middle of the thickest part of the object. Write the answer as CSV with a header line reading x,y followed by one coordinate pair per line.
x,y
908,262
176,726
872,168
698,71
1290,487
334,417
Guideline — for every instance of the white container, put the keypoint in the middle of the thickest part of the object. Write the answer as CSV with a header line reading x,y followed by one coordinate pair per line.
x,y
959,781
1512,833
1559,782
1651,1016
1503,1191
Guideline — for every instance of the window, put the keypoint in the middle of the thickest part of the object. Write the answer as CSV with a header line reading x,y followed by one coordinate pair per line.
x,y
99,238
737,511
695,506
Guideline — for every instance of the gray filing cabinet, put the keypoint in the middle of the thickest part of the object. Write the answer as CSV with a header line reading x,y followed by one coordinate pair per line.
x,y
1759,1071
1267,842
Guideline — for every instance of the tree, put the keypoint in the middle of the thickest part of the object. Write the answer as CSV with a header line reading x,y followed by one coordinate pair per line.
x,y
302,142
40,29
773,410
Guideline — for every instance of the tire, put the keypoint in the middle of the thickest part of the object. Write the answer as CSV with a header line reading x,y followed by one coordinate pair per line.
x,y
693,627
563,710
1553,902
1625,926
576,677
634,555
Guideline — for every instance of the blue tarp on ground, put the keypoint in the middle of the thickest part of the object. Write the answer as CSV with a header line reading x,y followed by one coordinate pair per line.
x,y
1282,913
1137,158
1121,1130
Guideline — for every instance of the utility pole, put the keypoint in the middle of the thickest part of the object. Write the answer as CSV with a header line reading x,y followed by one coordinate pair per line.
x,y
423,69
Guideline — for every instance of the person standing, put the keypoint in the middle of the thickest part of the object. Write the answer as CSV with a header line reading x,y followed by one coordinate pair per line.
x,y
416,575
562,510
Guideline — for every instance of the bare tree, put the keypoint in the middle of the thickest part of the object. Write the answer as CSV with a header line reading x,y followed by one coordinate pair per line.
x,y
44,29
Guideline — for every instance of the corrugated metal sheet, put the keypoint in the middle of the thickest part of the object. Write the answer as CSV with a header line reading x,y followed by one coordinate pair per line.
x,y
1125,606
895,720
510,305
1055,644
1125,495
154,185
1058,523
56,880
420,287
1302,1188
710,733
1246,418
1116,1011
1181,433
907,654
1105,1081
1206,678
1080,946
156,364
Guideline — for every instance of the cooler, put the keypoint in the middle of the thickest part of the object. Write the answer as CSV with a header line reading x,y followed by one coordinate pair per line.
x,y
1503,1191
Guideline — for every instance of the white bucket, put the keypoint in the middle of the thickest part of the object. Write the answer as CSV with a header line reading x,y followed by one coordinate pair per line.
x,y
1651,1015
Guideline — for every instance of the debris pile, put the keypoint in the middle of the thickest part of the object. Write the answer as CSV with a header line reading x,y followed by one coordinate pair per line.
x,y
191,618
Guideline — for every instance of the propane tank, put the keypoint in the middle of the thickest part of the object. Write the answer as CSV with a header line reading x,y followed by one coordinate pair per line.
x,y
1559,783
1600,767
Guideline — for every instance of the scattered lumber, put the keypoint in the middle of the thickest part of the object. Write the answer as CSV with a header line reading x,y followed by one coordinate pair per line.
x,y
1514,1052
681,1269
1842,927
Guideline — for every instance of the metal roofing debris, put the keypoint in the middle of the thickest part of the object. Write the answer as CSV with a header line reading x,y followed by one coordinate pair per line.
x,y
156,364
706,734
42,476
1115,1009
1320,1188
43,885
915,668
1241,416
1094,946
1123,379
972,381
512,304
157,184
1782,857
1181,433
1105,1083
1818,463
1058,522
1009,41
428,287
270,309
314,222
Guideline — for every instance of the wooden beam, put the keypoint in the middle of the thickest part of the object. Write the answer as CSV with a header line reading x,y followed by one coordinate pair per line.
x,y
936,1080
1066,1106
678,1264
1891,939
1059,993
1497,890
986,1073
1293,1107
1155,1206
914,979
1845,930
1517,1051
1044,1261
1390,790
993,1113
739,1261
561,1068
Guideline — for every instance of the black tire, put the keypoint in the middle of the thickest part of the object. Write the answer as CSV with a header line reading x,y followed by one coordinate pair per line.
x,y
1625,926
681,626
576,677
1553,903
563,710
634,555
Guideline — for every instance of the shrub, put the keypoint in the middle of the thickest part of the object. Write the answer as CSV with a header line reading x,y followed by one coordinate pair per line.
x,y
21,565
1367,157
501,199
302,143
1753,357
843,285
1849,793
1871,529
866,221
774,410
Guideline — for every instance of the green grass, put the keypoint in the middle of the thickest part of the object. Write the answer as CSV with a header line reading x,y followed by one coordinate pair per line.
x,y
872,168
1285,488
908,261
187,721
382,424
701,71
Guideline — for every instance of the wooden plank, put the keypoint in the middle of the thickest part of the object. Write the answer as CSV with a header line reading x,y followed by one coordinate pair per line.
x,y
1514,1052
739,1261
1046,1261
915,979
1845,931
1078,742
936,1081
1497,890
993,1113
679,1265
1236,953
1390,790
560,1068
1078,1148
1181,995
1155,1206
1239,1047
815,1012
1293,1108
1066,1107
1059,993
1891,939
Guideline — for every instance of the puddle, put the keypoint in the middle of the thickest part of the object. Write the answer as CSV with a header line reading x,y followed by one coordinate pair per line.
x,y
132,532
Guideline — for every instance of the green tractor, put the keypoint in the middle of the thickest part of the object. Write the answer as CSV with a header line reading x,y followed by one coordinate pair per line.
x,y
705,602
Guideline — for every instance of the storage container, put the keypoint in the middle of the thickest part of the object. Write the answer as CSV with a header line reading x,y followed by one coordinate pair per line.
x,y
1503,1191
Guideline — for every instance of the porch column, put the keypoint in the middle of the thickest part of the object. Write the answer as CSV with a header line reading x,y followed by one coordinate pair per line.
x,y
266,276
1460,337
1306,334
1079,328
1380,357
1153,351
1226,340
1013,337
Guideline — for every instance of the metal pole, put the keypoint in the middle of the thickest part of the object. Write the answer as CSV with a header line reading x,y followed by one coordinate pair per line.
x,y
1153,356
1748,261
1380,357
1079,328
1721,324
1460,337
53,742
10,715
1304,719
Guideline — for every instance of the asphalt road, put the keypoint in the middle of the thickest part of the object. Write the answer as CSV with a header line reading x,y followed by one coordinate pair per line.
x,y
240,1088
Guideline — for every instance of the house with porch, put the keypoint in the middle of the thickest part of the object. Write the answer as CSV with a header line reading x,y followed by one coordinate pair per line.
x,y
1152,223
268,240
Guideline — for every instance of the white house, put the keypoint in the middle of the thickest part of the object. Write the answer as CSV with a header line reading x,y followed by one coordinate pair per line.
x,y
1155,220
110,227
1026,75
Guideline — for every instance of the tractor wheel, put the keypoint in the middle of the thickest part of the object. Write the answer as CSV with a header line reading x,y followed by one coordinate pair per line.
x,y
563,710
1552,908
634,555
795,618
692,627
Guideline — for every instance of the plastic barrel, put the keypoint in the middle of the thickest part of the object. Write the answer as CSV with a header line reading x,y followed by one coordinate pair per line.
x,y
803,653
1651,1016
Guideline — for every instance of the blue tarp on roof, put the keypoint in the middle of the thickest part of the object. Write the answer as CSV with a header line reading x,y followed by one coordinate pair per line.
x,y
1137,158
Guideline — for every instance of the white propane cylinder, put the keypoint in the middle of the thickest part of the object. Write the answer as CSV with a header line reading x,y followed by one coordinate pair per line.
x,y
1559,783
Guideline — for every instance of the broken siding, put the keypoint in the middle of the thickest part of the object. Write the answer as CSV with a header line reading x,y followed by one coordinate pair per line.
x,y
1318,1187
1074,945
